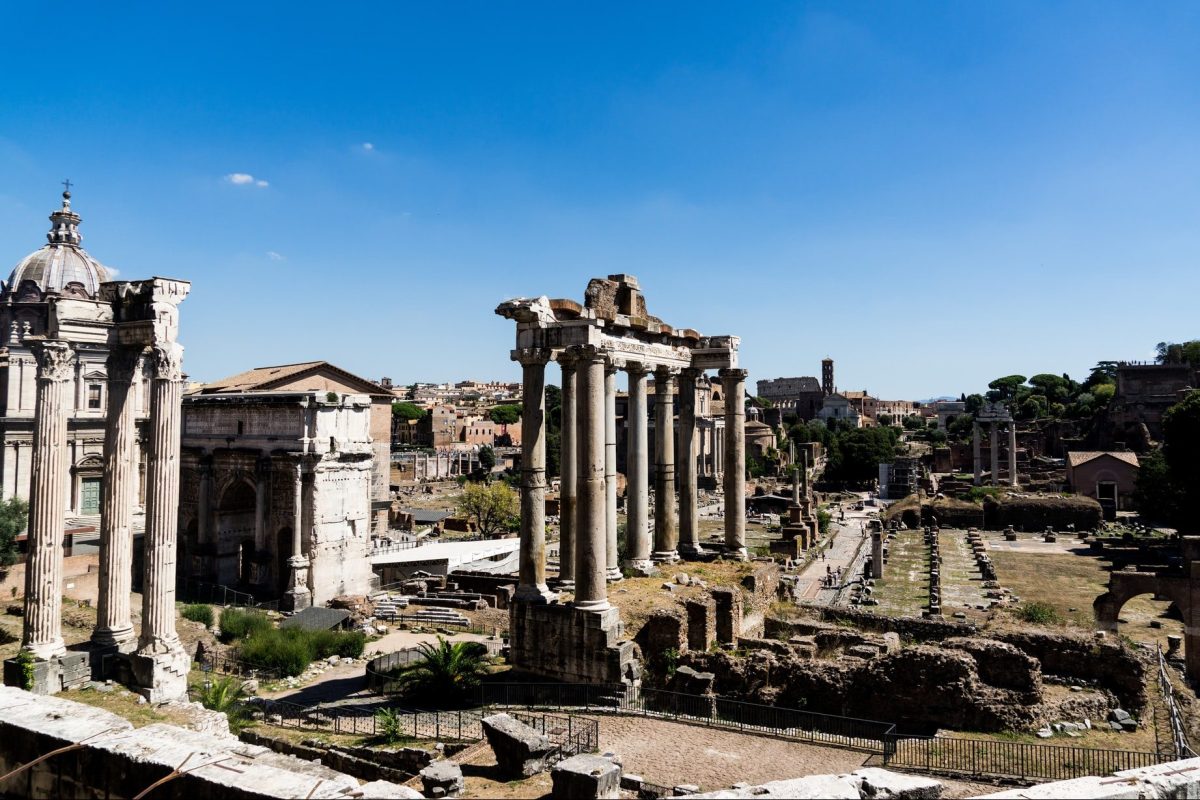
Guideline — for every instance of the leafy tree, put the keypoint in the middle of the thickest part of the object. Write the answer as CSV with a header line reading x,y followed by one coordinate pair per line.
x,y
448,671
856,453
1181,443
492,506
1185,353
884,419
1103,372
1104,393
1005,388
553,431
14,518
1156,495
505,415
974,403
913,422
1032,407
487,459
407,411
1053,387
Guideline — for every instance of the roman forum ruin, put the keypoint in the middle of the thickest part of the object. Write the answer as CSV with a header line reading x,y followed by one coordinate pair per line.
x,y
611,331
995,416
143,324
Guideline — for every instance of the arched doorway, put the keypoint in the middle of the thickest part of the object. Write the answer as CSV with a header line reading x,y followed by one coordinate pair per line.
x,y
234,525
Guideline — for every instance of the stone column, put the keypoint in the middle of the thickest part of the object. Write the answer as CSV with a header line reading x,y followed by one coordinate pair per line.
x,y
114,625
975,449
1012,453
689,514
613,572
591,546
42,634
637,469
531,583
567,470
734,381
666,530
298,595
163,669
995,455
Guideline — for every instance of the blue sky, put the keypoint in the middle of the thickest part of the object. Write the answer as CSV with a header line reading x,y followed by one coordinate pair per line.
x,y
933,194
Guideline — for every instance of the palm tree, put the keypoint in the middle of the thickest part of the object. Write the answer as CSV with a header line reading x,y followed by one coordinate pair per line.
x,y
227,696
448,672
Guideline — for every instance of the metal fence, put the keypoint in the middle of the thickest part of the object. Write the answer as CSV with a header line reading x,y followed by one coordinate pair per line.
x,y
193,591
1178,731
231,665
976,757
571,734
1003,759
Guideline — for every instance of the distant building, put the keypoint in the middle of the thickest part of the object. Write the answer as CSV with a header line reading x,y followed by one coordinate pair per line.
x,y
1144,392
800,396
837,407
1107,476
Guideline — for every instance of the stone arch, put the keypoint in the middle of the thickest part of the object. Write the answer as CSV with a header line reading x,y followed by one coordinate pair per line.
x,y
234,524
1123,586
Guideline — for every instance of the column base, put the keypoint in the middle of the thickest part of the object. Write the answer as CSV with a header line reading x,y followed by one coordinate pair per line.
x,y
614,575
162,677
121,640
47,650
664,556
691,551
641,568
295,600
593,606
737,554
534,594
49,676
566,585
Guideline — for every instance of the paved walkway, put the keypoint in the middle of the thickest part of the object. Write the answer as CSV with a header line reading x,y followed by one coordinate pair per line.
x,y
842,551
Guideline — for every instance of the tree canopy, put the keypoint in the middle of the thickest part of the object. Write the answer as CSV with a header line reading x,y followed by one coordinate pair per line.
x,y
1183,353
14,517
506,414
407,411
856,453
492,506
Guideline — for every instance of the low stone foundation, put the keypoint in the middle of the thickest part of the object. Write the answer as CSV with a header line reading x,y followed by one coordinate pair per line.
x,y
1172,779
560,643
116,760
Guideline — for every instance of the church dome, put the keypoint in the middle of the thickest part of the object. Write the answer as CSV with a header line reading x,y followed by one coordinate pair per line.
x,y
61,266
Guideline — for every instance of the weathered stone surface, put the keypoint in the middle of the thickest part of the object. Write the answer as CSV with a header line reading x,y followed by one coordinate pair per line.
x,y
584,777
572,646
520,750
1172,779
445,776
387,791
875,784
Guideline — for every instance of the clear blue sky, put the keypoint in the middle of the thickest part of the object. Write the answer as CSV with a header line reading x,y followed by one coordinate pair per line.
x,y
934,194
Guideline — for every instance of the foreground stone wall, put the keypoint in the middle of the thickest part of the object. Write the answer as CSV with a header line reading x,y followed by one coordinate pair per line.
x,y
1171,779
117,760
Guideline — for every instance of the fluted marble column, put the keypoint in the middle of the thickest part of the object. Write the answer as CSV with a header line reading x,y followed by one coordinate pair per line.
x,y
1012,453
637,469
566,474
298,596
995,455
734,381
613,572
162,504
689,513
976,449
42,633
666,527
591,546
114,625
531,583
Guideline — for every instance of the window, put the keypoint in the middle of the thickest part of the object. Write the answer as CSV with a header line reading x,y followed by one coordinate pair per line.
x,y
93,395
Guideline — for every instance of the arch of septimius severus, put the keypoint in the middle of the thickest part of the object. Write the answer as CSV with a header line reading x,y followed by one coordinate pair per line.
x,y
609,332
136,323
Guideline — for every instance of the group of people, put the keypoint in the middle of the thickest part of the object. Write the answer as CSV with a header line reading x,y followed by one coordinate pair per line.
x,y
833,577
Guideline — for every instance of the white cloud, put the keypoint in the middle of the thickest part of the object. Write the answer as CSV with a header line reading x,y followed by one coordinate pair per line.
x,y
271,254
245,179
368,147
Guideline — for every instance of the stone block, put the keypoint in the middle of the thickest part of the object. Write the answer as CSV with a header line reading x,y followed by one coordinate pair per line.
x,y
520,750
442,779
561,643
701,625
884,785
585,777
728,615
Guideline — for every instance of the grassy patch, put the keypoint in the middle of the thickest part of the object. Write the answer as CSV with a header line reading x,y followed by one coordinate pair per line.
x,y
198,612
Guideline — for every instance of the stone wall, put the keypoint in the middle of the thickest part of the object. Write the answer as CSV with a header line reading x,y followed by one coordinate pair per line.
x,y
80,578
557,642
119,761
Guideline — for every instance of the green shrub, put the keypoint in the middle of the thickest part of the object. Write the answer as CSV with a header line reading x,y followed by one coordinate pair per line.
x,y
1038,613
290,650
390,726
240,623
198,612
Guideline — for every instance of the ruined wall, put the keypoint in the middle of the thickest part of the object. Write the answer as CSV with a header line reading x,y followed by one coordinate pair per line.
x,y
1038,513
119,761
557,642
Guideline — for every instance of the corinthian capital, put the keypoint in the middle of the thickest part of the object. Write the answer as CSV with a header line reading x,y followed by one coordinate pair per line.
x,y
168,361
122,363
55,359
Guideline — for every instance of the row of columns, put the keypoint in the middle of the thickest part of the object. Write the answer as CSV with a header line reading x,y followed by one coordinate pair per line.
x,y
42,634
976,447
588,554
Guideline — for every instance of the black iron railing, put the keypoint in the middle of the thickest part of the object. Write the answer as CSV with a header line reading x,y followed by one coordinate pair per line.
x,y
194,591
1178,731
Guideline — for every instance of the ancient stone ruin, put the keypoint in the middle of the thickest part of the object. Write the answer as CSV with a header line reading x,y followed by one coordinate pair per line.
x,y
144,325
611,331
